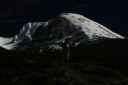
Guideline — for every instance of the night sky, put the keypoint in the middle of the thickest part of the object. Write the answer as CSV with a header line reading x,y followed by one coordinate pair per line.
x,y
15,13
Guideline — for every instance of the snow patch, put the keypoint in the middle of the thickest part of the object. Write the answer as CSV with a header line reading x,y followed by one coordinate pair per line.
x,y
6,43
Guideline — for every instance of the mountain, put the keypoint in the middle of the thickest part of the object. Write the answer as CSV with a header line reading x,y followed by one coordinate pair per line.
x,y
51,34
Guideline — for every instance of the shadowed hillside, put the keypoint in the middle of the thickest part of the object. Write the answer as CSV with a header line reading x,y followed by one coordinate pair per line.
x,y
103,63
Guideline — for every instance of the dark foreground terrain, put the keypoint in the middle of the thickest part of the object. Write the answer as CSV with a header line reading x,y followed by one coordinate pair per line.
x,y
104,63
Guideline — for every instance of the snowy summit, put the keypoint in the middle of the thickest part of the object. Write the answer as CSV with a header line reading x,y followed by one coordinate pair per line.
x,y
50,34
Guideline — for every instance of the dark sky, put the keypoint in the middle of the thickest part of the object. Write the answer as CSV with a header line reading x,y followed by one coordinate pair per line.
x,y
15,13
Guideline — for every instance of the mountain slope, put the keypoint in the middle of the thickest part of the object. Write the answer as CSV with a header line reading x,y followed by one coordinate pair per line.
x,y
52,33
89,27
103,63
6,43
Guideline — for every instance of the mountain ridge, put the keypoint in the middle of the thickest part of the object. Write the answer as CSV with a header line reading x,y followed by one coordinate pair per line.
x,y
53,32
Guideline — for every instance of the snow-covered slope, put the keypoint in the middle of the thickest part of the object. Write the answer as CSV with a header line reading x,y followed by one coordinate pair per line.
x,y
51,34
91,28
7,43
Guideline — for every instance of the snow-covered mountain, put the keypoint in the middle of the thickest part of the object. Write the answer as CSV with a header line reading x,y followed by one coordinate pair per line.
x,y
50,34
